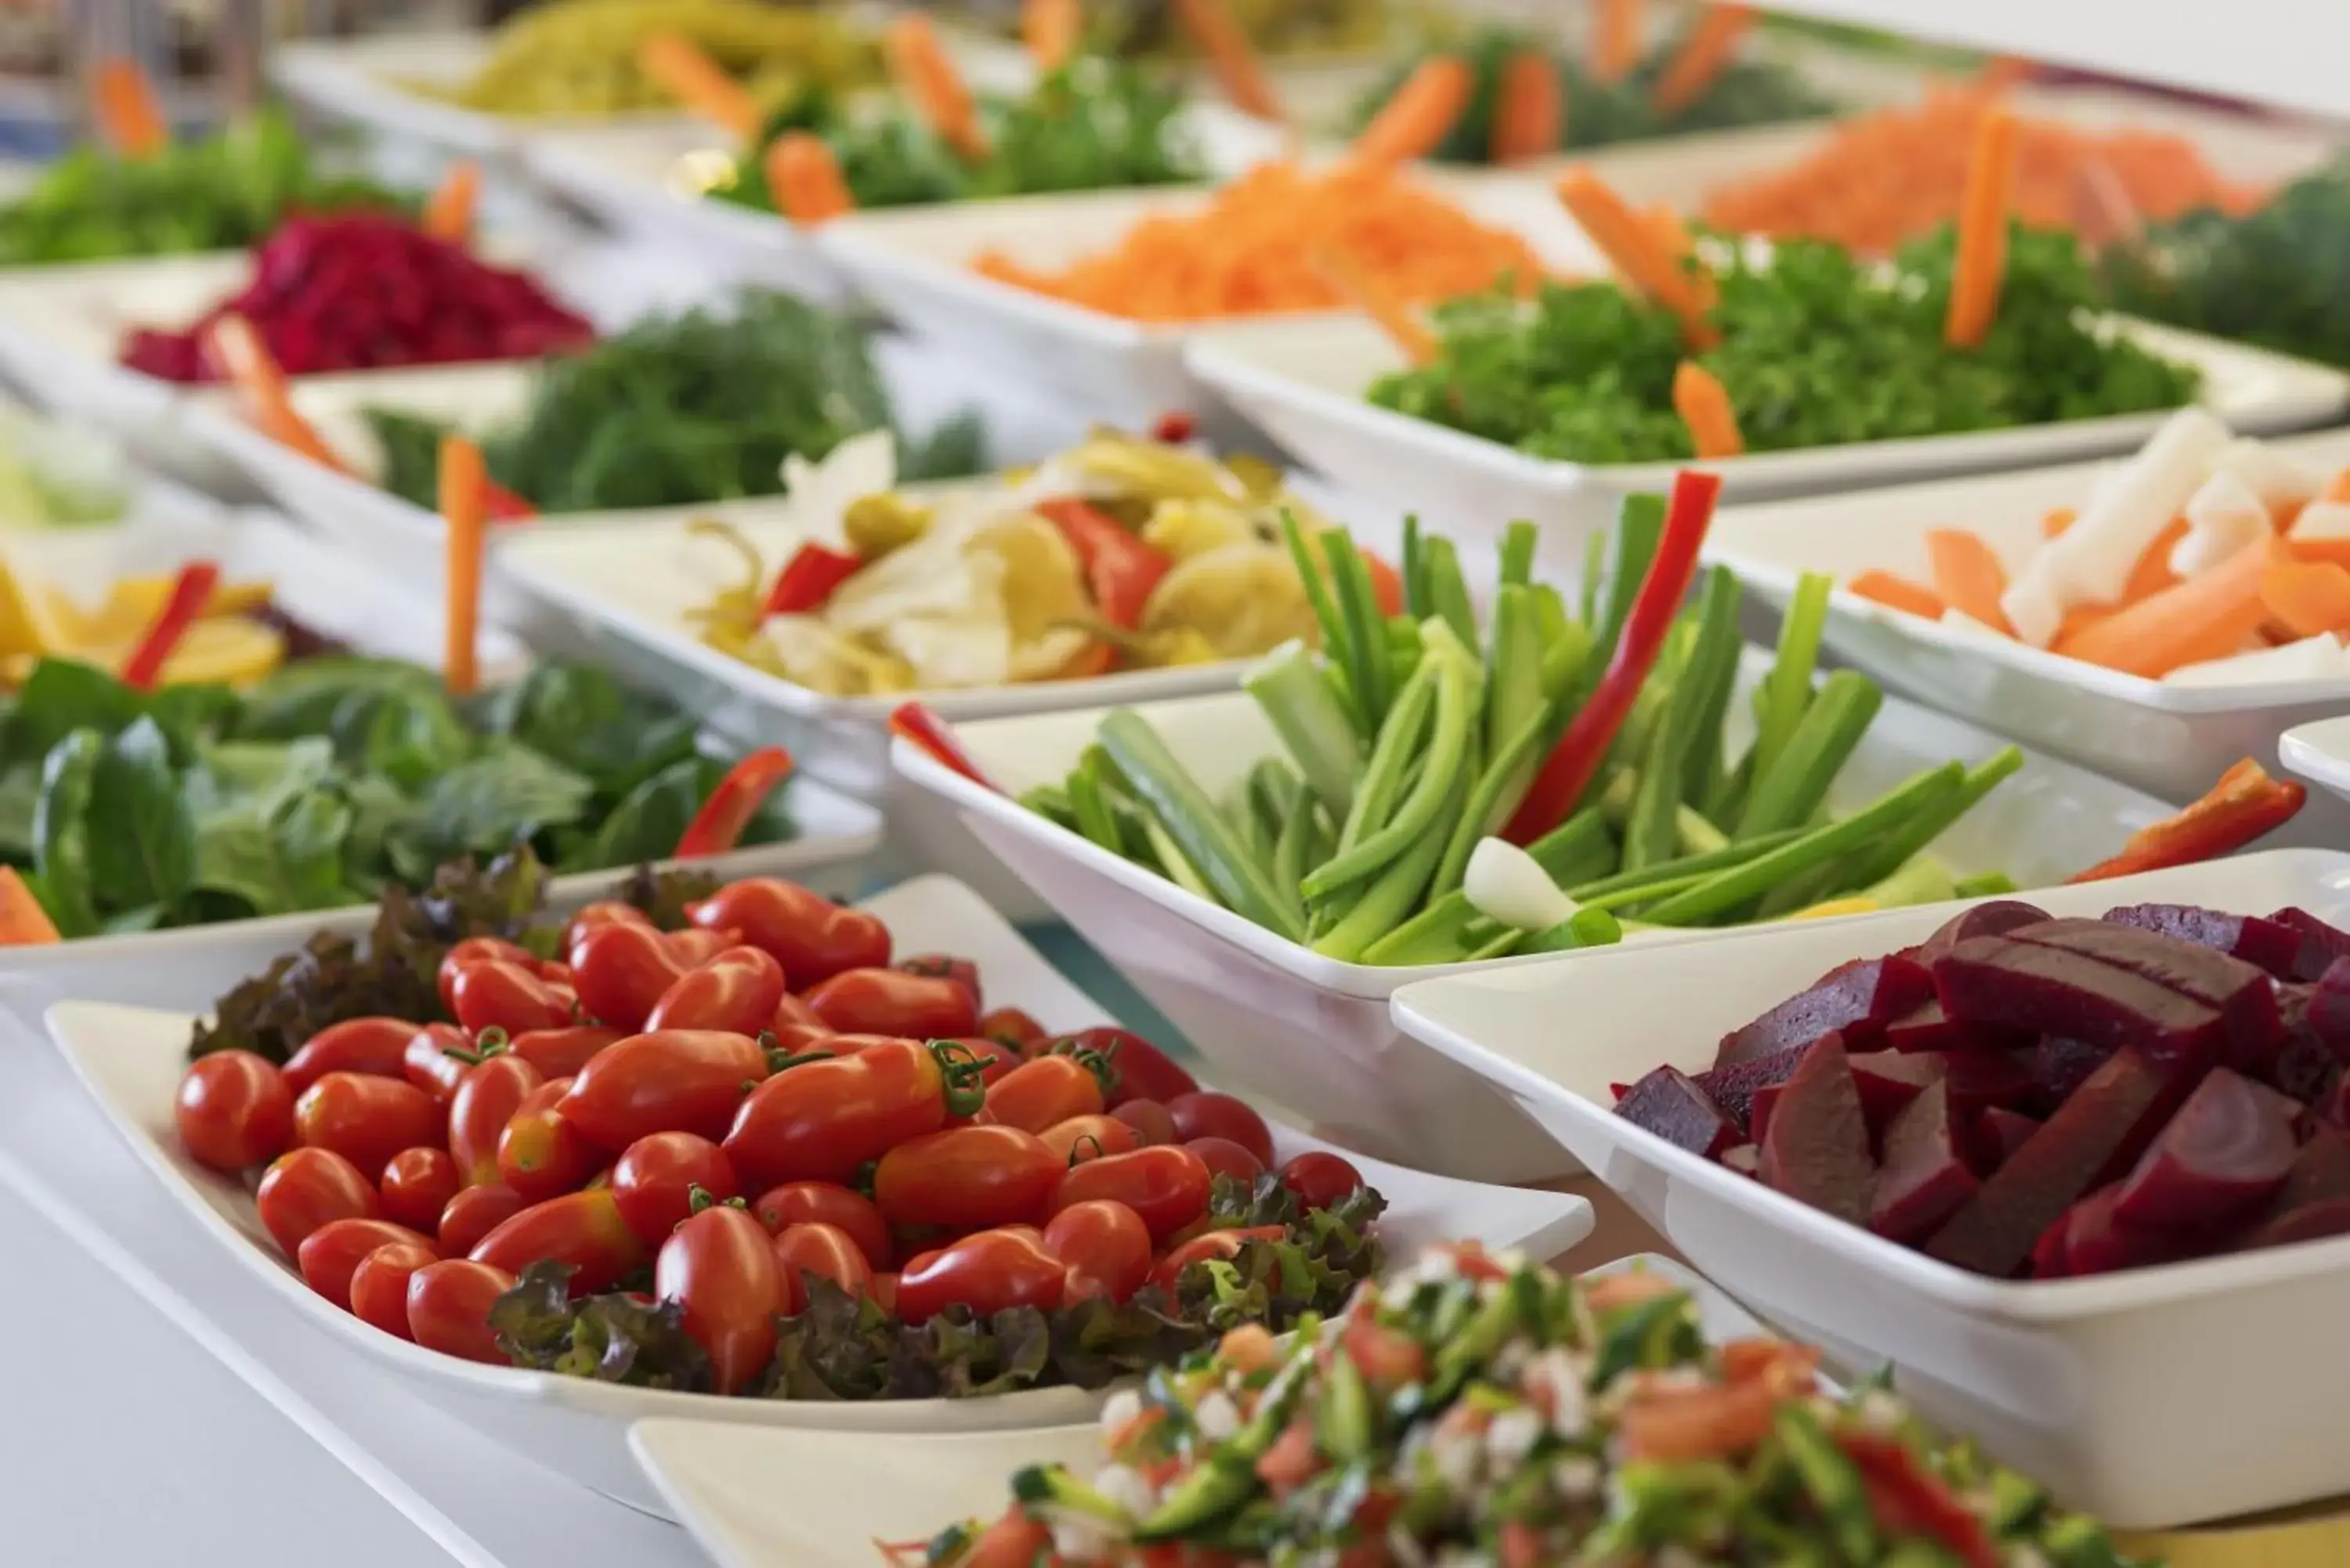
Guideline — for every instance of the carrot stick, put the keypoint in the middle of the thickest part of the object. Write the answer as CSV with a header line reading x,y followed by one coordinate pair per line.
x,y
1421,114
1632,247
254,370
1233,58
2205,617
2309,597
1681,247
2337,551
1615,40
2153,574
2055,521
1694,67
465,507
919,66
1529,108
1896,592
697,82
130,116
22,922
1372,296
449,215
805,179
2336,488
1981,258
1968,576
1052,29
1703,404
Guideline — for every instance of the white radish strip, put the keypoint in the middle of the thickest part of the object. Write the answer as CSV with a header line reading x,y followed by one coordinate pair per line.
x,y
1960,621
1506,884
2223,515
2278,478
2316,658
2321,520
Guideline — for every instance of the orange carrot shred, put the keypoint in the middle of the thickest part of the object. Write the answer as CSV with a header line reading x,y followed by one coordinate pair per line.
x,y
697,82
464,508
1981,259
1896,592
805,179
919,66
1233,58
1052,30
2055,521
1370,295
2204,616
1615,40
1529,109
1711,41
2153,574
1703,404
2307,597
22,922
253,371
2338,488
1636,252
2337,551
449,215
129,113
1415,121
1968,576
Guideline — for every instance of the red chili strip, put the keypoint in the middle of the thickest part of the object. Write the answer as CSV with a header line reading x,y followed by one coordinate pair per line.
x,y
912,721
191,591
718,826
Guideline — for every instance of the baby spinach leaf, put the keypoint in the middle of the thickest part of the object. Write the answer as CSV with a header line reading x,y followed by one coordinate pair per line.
x,y
62,695
61,832
287,860
254,777
20,793
193,715
303,698
505,797
142,836
411,737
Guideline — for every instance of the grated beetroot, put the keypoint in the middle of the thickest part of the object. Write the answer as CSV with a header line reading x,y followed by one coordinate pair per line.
x,y
363,291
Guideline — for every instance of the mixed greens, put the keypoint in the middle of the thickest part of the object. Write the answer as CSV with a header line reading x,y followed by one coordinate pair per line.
x,y
1818,347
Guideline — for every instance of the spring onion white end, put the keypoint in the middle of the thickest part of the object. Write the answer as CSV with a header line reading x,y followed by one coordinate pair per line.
x,y
1506,884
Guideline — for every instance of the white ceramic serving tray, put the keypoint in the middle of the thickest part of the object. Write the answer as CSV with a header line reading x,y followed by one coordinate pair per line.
x,y
2319,752
744,1495
914,264
2151,1398
131,1059
1313,1034
2169,740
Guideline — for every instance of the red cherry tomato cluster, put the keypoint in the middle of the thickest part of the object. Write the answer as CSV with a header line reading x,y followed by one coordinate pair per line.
x,y
759,1100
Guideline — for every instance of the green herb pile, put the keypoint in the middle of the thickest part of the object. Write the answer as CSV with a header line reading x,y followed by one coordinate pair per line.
x,y
848,1347
1097,124
696,407
326,783
1818,347
222,193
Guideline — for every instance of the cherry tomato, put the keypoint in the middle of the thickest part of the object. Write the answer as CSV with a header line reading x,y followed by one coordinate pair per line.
x,y
824,1203
486,1101
1105,1247
1167,1185
1081,1138
541,1154
583,1230
1321,1179
822,1120
602,912
621,970
720,1266
1045,1093
883,1289
380,1285
417,1186
448,1309
473,951
655,1178
366,1120
694,947
307,1188
1013,1028
968,1178
1206,1114
890,1002
737,992
375,1047
233,1110
1014,1541
473,1213
1225,1158
940,966
1212,1247
996,1059
679,1080
1150,1120
795,1025
812,936
1139,1070
332,1253
987,1272
427,1063
562,1052
825,1251
497,993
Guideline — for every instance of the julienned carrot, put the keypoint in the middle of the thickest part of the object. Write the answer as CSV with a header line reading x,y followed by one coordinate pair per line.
x,y
2053,522
1896,592
1981,259
464,509
697,82
1680,248
254,370
130,116
1968,576
919,66
2307,597
1616,39
1233,58
1415,121
1052,30
1368,294
2152,573
1636,252
2336,488
1703,404
1529,116
2208,615
805,179
449,215
1711,41
22,922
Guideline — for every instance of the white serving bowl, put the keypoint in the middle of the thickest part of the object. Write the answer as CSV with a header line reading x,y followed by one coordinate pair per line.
x,y
2152,1398
2319,752
1313,1034
2170,740
131,1060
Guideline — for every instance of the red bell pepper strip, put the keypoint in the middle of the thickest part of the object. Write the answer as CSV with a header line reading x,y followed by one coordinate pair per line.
x,y
809,579
191,591
1387,583
914,722
2245,803
505,505
1571,764
1175,427
22,922
1121,569
718,827
1908,1499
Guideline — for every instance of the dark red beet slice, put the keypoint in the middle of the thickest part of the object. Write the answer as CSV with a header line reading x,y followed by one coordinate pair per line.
x,y
2240,990
2321,944
2060,1065
2099,1241
1995,919
1889,1081
2304,1067
2049,1254
1733,1088
2320,1171
2093,1135
1924,1180
1856,999
1995,1137
2269,944
1981,1079
1758,1117
2024,985
1669,1104
1928,1028
2327,1015
1817,1150
2310,1222
2225,1153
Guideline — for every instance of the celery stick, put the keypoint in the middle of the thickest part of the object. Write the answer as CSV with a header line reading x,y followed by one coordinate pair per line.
x,y
1369,675
1293,844
1786,690
1089,803
1313,726
1513,670
1447,590
1173,801
1173,863
1272,790
1787,793
1518,542
1444,776
1396,748
1389,896
1990,885
1639,528
1594,572
1650,833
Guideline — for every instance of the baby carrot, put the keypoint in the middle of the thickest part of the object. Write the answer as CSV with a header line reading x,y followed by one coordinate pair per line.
x,y
919,66
1616,39
1052,29
130,116
1529,108
2307,597
465,507
1421,113
697,82
254,370
1634,249
1231,58
1896,592
805,179
1981,258
1703,404
22,922
1968,576
2204,616
449,215
1712,40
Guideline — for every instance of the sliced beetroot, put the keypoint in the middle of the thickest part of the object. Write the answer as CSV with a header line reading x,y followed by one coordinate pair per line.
x,y
2061,1064
1856,999
2049,1253
2320,1170
2327,1011
1889,1081
1979,1080
2099,1241
1733,1088
1995,1134
1818,1147
2093,1136
1669,1104
2271,945
2320,942
1758,1117
2310,1222
1927,1028
1924,1179
2010,984
2302,1066
1995,919
2240,991
2226,1152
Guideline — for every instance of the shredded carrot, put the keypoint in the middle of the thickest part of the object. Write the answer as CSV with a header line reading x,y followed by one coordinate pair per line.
x,y
1262,244
1681,247
805,179
1968,576
1981,260
464,508
919,66
2102,204
1370,295
1703,404
1529,116
1233,58
22,922
251,366
449,215
2307,597
1616,39
1896,592
1415,121
2004,73
2336,488
1052,30
130,116
2205,617
1636,253
699,83
2057,520
1711,41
